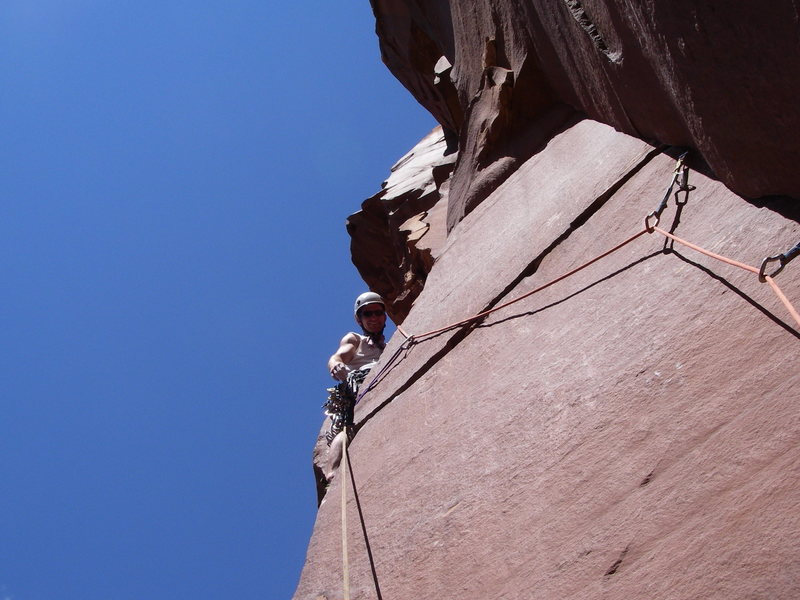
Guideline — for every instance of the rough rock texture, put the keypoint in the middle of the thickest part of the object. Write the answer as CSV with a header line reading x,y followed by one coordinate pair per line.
x,y
503,76
631,431
397,233
718,77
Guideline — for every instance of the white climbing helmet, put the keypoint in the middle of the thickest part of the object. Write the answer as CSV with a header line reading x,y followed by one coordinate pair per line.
x,y
367,298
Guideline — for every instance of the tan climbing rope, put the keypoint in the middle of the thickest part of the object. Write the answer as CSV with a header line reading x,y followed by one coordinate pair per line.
x,y
719,257
343,484
783,298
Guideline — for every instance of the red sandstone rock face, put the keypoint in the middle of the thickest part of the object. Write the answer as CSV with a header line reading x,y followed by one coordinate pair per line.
x,y
503,77
397,233
720,78
629,432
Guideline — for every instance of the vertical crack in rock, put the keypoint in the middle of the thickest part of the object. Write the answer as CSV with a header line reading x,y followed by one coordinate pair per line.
x,y
454,341
579,14
443,83
578,222
532,267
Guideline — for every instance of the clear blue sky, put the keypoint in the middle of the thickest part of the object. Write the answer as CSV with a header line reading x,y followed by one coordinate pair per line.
x,y
175,272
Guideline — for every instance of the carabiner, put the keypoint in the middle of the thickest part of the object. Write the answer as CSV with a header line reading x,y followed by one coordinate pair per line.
x,y
761,272
651,228
781,258
682,178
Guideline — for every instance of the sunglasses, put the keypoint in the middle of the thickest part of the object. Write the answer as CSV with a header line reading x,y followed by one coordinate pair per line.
x,y
373,313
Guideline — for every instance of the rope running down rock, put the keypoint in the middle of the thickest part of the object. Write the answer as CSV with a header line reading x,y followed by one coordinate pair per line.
x,y
416,338
413,339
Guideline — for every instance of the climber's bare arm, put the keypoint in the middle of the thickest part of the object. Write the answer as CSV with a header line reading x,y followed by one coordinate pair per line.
x,y
345,353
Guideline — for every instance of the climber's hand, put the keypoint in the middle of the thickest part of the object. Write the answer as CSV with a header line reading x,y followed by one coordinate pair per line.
x,y
339,371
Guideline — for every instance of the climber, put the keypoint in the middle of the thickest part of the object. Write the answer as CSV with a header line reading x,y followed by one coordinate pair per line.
x,y
356,355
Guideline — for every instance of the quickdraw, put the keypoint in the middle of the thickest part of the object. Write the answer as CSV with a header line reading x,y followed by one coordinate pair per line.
x,y
341,400
680,176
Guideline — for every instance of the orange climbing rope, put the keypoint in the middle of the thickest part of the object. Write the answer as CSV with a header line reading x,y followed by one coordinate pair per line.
x,y
648,228
413,339
681,178
781,296
525,295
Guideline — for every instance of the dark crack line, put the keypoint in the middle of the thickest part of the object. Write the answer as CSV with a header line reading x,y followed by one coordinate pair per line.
x,y
618,563
532,267
587,287
364,528
578,13
576,224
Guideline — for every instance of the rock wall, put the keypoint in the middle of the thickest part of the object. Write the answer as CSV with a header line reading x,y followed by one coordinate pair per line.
x,y
397,233
718,77
632,430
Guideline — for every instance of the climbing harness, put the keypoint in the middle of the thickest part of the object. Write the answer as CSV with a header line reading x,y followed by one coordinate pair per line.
x,y
342,399
339,407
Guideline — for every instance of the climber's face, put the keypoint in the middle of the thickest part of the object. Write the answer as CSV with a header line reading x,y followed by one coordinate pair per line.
x,y
372,317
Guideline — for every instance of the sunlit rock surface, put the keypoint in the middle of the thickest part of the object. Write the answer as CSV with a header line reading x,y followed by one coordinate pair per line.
x,y
719,78
397,233
631,431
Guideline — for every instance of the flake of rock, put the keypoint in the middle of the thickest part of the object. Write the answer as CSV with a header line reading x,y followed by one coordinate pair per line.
x,y
390,259
659,71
